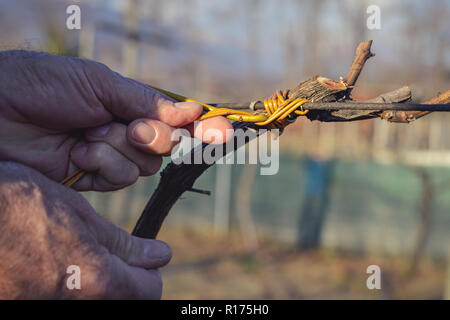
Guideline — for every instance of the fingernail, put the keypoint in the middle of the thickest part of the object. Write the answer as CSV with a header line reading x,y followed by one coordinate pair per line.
x,y
143,133
155,249
99,132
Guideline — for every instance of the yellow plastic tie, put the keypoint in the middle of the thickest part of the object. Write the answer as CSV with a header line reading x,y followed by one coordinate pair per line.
x,y
278,107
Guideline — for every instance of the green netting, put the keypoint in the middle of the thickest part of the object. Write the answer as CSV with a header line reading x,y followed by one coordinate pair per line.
x,y
372,207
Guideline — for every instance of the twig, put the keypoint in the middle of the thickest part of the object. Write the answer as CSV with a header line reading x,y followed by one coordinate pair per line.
x,y
362,55
374,106
200,191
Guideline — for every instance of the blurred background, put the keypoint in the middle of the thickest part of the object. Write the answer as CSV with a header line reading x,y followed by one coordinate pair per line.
x,y
347,195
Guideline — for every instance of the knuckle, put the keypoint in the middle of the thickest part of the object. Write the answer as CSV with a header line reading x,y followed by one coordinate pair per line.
x,y
153,97
170,116
122,244
158,100
165,110
92,68
116,134
98,151
130,175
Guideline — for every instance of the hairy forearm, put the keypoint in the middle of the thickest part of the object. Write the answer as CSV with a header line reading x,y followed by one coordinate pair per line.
x,y
21,220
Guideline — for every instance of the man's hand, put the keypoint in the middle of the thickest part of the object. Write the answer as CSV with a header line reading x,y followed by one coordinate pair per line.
x,y
58,114
45,227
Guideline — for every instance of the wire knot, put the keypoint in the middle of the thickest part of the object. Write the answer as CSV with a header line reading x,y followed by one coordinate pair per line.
x,y
280,111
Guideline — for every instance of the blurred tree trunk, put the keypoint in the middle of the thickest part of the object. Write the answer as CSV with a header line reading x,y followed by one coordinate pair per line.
x,y
222,199
244,211
425,217
319,176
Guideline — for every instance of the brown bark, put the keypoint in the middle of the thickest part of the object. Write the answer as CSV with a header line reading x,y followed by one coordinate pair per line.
x,y
402,94
362,55
409,116
319,89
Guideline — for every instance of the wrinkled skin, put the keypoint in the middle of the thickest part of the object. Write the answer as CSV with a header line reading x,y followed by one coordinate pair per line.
x,y
47,227
59,114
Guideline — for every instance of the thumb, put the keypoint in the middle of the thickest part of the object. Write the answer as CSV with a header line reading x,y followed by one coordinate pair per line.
x,y
139,252
130,99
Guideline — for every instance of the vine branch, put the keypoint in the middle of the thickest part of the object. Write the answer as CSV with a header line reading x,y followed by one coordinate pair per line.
x,y
178,178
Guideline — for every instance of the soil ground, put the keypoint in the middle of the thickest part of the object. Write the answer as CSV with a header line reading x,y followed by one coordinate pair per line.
x,y
209,267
